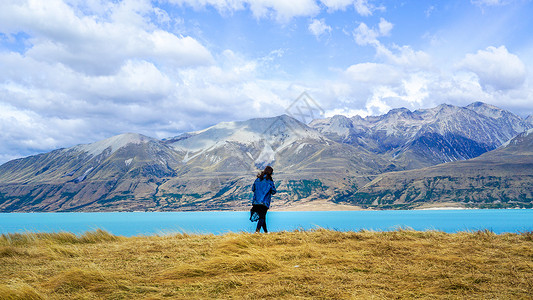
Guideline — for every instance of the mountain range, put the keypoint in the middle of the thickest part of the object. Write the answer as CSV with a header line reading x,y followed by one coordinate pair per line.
x,y
368,162
496,179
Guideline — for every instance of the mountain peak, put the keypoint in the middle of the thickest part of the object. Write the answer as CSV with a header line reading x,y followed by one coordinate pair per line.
x,y
398,110
114,143
244,132
487,110
340,119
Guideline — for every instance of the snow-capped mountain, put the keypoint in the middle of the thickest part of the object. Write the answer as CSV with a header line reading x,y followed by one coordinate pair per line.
x,y
255,142
333,159
427,136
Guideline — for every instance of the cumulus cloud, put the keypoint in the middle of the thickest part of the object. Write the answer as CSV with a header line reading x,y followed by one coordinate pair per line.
x,y
334,5
374,73
363,8
398,55
94,45
385,27
90,70
365,35
319,27
496,68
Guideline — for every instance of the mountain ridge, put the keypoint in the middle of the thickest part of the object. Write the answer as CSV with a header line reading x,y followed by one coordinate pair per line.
x,y
333,159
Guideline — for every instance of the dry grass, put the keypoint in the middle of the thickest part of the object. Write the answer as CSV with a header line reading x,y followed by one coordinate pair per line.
x,y
317,264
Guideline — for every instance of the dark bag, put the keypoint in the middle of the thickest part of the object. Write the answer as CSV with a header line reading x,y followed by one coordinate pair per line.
x,y
254,216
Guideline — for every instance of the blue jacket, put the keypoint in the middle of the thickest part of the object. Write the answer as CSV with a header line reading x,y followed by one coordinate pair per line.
x,y
263,189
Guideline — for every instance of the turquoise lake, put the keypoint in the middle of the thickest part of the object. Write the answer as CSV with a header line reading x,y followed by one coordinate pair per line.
x,y
148,223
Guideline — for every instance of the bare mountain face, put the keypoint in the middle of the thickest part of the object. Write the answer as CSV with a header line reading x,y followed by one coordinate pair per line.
x,y
426,137
502,178
117,171
213,169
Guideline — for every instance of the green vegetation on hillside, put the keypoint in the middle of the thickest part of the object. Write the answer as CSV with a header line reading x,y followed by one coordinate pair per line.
x,y
321,264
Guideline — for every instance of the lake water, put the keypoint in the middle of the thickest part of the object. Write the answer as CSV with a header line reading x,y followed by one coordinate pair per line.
x,y
147,223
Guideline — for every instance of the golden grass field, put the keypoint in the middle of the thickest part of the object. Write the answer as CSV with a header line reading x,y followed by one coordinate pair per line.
x,y
315,264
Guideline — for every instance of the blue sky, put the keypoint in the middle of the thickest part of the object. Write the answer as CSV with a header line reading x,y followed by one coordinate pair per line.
x,y
80,71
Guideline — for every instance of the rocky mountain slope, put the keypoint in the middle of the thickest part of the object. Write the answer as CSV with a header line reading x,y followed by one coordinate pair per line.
x,y
335,159
119,170
499,178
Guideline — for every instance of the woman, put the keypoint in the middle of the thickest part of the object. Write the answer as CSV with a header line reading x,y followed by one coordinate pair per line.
x,y
263,189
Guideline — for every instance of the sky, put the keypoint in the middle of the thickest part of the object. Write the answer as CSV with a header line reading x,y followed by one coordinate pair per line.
x,y
75,72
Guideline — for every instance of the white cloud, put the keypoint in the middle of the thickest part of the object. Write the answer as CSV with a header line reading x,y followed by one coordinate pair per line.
x,y
283,10
496,67
136,81
280,10
385,27
364,8
405,56
94,45
319,27
374,73
220,5
365,35
398,55
334,5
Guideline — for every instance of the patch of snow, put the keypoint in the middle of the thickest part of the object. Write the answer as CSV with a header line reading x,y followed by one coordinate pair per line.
x,y
249,155
128,161
300,147
82,177
266,156
187,158
114,143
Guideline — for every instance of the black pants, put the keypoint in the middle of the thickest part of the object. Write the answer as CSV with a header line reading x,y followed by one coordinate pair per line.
x,y
261,211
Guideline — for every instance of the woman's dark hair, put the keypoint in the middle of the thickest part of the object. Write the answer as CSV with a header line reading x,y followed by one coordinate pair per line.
x,y
266,173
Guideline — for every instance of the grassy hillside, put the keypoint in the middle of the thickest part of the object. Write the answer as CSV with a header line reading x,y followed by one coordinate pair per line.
x,y
301,264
